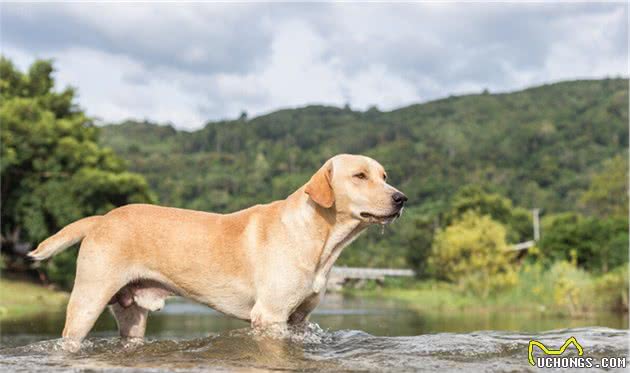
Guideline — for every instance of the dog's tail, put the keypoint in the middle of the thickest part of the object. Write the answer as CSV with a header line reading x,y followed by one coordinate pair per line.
x,y
68,236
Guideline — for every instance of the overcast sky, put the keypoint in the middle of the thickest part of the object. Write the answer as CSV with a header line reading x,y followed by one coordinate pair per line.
x,y
190,63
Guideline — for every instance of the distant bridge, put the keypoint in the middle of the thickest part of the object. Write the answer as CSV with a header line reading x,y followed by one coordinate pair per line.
x,y
341,275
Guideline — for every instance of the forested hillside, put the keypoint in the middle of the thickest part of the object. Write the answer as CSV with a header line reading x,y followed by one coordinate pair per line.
x,y
539,147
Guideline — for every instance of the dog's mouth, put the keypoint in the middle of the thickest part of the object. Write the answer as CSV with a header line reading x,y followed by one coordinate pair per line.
x,y
381,219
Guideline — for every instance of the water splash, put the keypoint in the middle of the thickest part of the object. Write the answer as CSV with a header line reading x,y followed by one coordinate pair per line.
x,y
309,347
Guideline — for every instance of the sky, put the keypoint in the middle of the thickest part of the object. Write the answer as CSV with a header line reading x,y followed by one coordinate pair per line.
x,y
188,64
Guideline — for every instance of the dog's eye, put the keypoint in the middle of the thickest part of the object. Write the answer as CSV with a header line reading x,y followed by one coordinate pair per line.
x,y
361,176
384,176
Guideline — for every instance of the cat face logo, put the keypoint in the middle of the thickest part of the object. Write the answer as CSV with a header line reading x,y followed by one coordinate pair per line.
x,y
560,351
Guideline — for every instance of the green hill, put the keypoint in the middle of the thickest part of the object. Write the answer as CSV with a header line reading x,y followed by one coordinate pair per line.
x,y
539,147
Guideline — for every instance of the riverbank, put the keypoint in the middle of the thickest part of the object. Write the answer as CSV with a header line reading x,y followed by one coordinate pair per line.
x,y
21,299
562,291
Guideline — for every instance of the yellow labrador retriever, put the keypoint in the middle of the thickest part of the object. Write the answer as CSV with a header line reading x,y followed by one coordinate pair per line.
x,y
267,264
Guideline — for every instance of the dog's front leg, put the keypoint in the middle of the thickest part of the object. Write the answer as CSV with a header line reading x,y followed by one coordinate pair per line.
x,y
302,312
269,318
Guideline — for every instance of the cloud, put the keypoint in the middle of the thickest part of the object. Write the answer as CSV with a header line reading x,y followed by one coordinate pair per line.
x,y
190,63
194,37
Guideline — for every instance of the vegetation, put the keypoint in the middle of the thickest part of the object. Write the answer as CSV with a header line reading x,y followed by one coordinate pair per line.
x,y
24,299
558,291
472,252
607,194
53,170
597,244
517,220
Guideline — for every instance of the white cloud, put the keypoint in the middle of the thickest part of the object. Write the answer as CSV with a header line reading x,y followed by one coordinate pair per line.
x,y
105,90
189,63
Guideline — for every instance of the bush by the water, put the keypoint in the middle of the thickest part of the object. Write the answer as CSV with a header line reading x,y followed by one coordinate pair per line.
x,y
564,288
599,243
472,252
559,289
612,289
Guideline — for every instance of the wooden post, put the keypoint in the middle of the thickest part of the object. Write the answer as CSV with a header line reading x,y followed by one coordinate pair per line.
x,y
535,215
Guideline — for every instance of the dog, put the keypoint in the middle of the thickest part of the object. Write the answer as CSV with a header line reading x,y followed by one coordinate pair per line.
x,y
267,264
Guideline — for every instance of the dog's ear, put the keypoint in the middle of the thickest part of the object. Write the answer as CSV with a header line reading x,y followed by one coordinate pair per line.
x,y
319,187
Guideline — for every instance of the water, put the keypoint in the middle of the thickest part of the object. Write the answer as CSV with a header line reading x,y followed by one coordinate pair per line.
x,y
348,334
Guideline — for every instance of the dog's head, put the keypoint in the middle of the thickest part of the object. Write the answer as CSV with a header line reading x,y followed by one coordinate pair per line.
x,y
357,186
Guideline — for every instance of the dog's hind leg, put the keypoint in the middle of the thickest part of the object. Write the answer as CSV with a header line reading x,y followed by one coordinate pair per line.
x,y
87,302
94,286
132,320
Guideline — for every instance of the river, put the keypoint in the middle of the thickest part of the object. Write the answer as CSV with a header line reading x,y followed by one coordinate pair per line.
x,y
346,334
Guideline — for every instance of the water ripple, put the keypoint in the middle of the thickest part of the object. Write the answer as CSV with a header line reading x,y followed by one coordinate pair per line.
x,y
309,348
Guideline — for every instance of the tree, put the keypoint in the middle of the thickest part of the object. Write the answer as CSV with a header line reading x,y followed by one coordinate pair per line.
x,y
472,253
53,170
598,244
607,194
472,198
415,233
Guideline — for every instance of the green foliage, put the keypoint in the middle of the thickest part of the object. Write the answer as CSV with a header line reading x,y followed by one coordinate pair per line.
x,y
571,286
607,194
472,252
560,289
61,268
612,289
598,244
565,289
53,170
518,221
416,234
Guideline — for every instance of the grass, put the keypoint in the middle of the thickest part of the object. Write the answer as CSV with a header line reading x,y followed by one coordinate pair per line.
x,y
21,299
562,290
432,296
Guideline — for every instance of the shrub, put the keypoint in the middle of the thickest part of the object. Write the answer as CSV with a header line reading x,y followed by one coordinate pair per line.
x,y
516,220
612,289
572,287
599,243
472,253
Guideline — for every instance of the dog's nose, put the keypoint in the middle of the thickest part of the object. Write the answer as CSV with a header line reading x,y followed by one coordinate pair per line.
x,y
399,198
